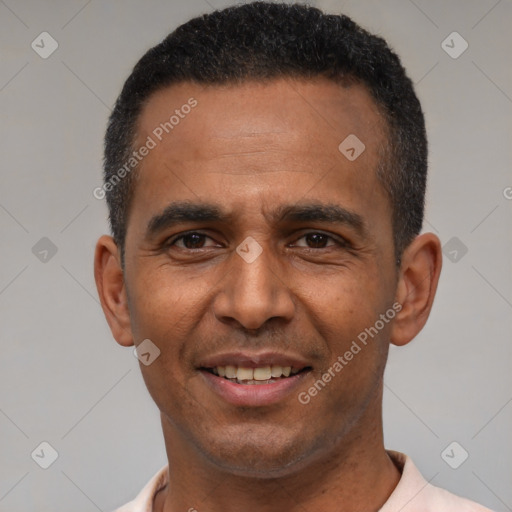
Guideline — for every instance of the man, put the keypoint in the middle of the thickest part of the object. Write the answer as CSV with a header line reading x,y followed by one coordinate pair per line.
x,y
265,170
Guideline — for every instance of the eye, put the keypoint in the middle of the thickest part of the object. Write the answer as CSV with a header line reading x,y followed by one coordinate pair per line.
x,y
195,240
192,240
315,240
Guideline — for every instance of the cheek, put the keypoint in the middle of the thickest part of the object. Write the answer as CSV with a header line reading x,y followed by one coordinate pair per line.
x,y
347,315
345,301
158,312
164,302
162,315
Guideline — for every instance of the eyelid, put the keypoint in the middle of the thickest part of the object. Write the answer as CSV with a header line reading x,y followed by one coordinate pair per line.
x,y
339,241
175,238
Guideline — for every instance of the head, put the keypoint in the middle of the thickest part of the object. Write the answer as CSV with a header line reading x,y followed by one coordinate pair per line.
x,y
291,249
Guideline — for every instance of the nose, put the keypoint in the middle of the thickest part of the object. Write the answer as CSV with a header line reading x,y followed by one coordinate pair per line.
x,y
254,292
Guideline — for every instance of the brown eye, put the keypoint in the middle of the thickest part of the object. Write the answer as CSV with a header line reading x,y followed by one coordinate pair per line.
x,y
318,241
190,241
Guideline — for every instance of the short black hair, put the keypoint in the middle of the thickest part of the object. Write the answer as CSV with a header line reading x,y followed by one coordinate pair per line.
x,y
261,41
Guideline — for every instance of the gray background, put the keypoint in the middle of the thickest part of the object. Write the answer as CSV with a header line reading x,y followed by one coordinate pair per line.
x,y
64,380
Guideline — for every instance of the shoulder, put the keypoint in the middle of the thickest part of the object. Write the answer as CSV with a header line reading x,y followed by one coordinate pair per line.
x,y
443,500
144,500
414,494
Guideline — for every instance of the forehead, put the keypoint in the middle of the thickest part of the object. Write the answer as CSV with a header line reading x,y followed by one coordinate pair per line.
x,y
279,109
255,142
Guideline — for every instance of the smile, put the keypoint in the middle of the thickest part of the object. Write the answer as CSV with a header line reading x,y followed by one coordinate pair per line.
x,y
254,379
258,375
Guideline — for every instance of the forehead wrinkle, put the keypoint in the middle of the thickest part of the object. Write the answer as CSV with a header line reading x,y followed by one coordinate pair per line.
x,y
256,173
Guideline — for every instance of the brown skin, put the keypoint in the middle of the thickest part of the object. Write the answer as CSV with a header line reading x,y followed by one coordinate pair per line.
x,y
249,149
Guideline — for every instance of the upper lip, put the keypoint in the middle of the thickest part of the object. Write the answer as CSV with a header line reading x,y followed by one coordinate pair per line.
x,y
253,360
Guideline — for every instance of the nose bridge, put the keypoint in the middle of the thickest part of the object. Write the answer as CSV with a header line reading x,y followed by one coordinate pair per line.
x,y
254,272
253,292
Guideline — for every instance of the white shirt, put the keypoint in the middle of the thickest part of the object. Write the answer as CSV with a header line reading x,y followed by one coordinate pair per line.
x,y
412,494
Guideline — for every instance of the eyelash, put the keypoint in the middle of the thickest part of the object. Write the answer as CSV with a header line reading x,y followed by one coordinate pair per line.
x,y
340,243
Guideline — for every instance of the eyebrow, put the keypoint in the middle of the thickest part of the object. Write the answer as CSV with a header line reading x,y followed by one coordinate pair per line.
x,y
184,211
320,212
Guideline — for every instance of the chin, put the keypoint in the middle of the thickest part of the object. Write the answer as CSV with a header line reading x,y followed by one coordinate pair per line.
x,y
259,454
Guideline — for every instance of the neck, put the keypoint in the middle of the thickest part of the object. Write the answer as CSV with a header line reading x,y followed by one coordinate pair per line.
x,y
354,475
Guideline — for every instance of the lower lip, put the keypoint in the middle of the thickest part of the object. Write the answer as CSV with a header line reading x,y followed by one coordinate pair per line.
x,y
252,394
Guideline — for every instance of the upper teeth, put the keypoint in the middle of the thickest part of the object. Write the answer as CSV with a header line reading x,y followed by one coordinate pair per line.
x,y
259,373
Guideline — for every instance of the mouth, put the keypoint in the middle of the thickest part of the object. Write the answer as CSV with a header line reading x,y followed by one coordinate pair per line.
x,y
254,379
258,375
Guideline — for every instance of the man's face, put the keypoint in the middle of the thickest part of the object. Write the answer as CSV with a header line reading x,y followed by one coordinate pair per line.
x,y
258,152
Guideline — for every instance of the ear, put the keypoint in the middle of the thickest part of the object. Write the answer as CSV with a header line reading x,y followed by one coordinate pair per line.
x,y
111,287
417,284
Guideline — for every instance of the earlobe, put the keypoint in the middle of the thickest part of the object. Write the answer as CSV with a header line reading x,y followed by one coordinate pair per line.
x,y
417,284
110,284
